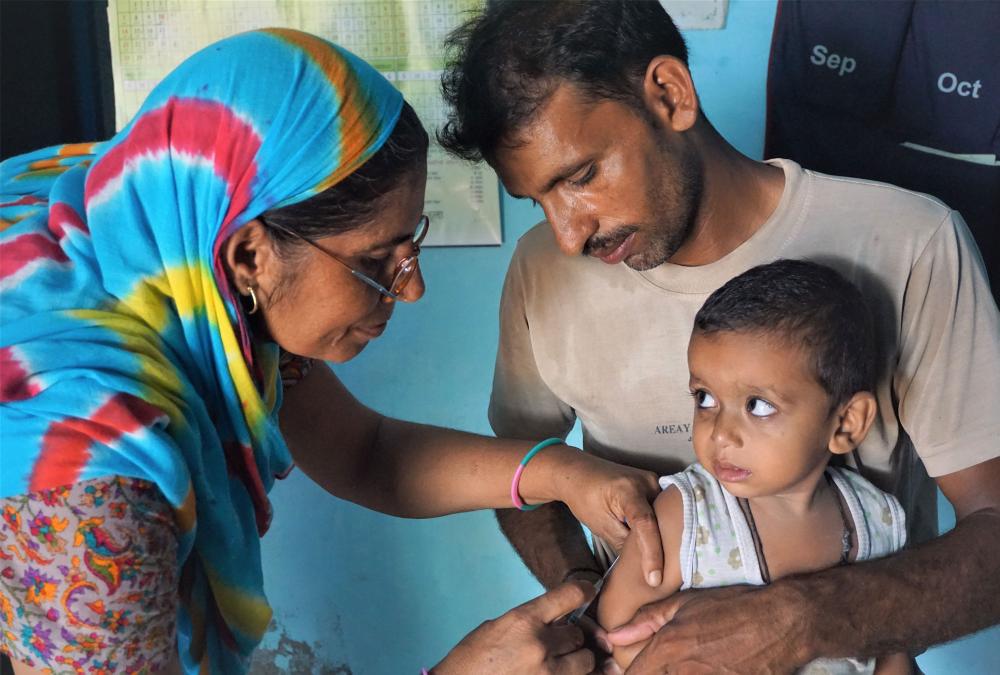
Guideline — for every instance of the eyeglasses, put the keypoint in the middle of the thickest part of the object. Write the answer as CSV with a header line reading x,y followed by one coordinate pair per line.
x,y
405,270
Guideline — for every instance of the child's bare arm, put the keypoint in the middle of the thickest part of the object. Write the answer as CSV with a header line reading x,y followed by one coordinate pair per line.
x,y
626,590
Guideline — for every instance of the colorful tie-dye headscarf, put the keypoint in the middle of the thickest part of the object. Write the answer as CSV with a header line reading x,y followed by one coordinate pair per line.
x,y
123,349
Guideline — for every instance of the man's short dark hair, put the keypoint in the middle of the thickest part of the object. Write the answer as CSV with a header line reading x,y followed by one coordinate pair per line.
x,y
809,305
504,63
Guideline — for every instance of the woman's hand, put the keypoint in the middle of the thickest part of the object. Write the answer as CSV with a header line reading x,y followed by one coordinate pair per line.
x,y
611,500
526,639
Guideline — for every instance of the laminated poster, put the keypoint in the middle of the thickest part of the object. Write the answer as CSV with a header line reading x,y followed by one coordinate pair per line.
x,y
403,39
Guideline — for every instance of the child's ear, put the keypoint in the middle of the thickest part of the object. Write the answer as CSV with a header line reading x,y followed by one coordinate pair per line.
x,y
854,419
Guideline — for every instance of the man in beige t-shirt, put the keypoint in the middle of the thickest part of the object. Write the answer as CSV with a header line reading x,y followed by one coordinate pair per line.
x,y
589,109
607,344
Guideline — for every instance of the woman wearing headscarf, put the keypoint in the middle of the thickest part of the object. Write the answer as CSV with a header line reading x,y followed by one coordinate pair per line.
x,y
265,202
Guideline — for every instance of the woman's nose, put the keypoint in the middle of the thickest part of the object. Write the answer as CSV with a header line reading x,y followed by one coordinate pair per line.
x,y
414,289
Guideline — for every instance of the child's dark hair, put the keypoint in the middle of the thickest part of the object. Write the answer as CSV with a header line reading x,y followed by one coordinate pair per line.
x,y
802,301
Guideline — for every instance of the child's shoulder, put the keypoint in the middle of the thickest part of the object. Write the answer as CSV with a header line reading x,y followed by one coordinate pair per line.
x,y
878,517
694,476
693,500
693,484
849,480
669,505
715,546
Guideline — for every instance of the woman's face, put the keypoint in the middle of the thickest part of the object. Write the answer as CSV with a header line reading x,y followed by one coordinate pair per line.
x,y
313,306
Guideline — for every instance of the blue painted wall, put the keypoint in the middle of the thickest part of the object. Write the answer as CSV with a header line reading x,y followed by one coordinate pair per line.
x,y
377,595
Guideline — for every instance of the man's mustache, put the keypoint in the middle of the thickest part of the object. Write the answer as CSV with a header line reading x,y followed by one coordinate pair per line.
x,y
599,243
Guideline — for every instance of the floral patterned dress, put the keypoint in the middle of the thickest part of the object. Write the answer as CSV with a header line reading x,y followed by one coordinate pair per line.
x,y
88,578
88,573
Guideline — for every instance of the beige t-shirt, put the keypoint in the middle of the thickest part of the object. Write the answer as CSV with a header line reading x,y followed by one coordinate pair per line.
x,y
608,345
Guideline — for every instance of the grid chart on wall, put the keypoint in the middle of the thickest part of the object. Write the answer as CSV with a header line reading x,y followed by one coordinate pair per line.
x,y
403,39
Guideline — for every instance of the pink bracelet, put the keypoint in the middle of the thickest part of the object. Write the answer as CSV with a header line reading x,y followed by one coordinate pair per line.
x,y
515,496
423,671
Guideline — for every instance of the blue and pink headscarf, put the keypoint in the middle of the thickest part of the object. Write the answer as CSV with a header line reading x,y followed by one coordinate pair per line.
x,y
123,348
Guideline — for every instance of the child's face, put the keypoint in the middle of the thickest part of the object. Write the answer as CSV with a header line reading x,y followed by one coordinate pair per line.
x,y
762,422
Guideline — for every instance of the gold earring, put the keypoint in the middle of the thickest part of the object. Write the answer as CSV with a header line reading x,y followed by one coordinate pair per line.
x,y
253,298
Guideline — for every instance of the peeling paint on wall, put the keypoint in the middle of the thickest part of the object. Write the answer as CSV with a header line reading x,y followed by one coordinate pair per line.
x,y
292,656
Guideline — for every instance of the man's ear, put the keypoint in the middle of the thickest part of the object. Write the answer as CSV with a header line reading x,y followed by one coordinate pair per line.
x,y
670,94
854,419
248,255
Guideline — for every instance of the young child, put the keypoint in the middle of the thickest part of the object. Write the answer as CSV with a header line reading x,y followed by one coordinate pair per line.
x,y
783,362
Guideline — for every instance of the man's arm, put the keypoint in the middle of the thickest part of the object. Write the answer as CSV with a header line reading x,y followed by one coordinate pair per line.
x,y
549,540
955,576
551,543
932,593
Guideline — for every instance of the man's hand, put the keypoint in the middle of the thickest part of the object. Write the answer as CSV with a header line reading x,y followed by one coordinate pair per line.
x,y
734,629
612,500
